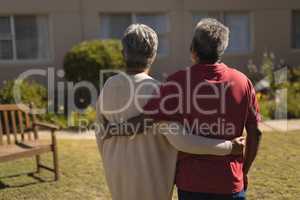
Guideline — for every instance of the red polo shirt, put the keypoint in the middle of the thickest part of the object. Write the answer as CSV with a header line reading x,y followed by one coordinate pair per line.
x,y
211,100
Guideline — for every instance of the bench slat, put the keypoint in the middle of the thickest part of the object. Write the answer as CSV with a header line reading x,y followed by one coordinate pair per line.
x,y
26,153
14,124
1,130
9,107
35,129
28,126
7,128
21,126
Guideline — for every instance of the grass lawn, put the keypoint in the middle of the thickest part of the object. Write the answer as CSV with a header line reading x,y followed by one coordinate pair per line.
x,y
275,175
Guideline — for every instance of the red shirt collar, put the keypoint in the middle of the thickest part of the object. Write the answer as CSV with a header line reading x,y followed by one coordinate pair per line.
x,y
216,67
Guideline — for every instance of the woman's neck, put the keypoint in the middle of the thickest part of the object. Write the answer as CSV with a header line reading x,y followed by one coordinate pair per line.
x,y
131,71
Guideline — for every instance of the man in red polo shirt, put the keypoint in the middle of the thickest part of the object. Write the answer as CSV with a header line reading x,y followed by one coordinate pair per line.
x,y
216,101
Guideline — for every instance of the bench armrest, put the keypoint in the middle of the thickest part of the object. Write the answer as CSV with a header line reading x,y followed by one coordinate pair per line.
x,y
51,127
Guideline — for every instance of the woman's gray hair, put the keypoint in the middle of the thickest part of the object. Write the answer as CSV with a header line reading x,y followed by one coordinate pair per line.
x,y
210,40
140,43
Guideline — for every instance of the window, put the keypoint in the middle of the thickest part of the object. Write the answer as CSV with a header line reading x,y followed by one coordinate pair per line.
x,y
114,25
6,44
296,29
239,25
24,37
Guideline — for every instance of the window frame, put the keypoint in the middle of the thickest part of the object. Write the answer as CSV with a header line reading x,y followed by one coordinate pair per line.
x,y
14,59
293,30
133,17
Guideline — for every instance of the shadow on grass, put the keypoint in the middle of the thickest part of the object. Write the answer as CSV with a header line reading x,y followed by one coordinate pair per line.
x,y
32,175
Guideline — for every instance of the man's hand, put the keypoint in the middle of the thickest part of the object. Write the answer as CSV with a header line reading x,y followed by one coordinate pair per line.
x,y
238,145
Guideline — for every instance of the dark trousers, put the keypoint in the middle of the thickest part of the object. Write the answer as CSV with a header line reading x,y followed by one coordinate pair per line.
x,y
183,195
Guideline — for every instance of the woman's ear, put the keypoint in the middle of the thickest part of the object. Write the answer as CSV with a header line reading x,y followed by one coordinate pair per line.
x,y
194,57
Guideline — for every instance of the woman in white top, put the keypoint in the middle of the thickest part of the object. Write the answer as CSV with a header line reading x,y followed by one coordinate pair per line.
x,y
143,167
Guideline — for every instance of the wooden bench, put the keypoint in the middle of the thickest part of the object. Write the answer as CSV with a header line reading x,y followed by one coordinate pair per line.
x,y
19,137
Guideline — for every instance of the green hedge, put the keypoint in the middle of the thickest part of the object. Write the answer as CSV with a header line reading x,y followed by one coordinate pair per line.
x,y
85,60
268,104
293,100
31,92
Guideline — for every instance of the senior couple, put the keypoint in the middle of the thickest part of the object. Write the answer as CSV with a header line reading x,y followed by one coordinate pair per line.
x,y
187,131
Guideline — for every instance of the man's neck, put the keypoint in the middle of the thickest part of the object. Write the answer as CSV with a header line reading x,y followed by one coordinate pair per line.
x,y
206,63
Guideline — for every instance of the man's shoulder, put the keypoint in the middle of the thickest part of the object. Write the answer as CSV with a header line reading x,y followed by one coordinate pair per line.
x,y
236,74
179,75
239,78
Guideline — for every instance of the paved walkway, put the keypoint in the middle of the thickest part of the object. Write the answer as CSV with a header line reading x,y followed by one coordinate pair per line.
x,y
281,126
73,135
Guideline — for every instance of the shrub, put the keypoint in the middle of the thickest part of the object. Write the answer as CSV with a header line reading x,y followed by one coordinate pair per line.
x,y
267,106
293,99
86,118
267,100
31,92
294,74
58,119
256,74
87,59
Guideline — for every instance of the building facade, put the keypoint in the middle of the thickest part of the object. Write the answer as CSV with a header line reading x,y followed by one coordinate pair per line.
x,y
37,33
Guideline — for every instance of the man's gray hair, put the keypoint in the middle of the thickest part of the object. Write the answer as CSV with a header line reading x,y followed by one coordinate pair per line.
x,y
210,40
140,43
